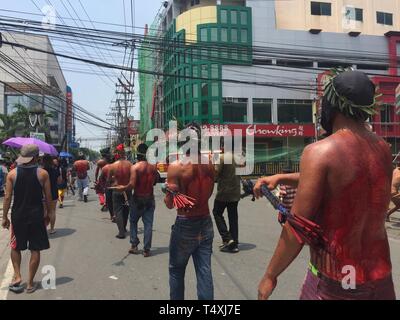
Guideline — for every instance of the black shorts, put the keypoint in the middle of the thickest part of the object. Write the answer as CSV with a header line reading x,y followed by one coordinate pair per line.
x,y
31,235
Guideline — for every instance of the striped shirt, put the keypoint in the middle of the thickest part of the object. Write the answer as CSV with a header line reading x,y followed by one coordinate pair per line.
x,y
287,194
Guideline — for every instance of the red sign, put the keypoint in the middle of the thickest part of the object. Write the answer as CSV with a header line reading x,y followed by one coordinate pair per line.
x,y
133,127
260,130
68,116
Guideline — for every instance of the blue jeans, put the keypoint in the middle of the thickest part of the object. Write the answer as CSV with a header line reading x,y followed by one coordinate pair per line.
x,y
146,212
191,237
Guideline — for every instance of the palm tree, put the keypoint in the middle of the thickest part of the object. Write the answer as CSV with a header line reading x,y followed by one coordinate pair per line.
x,y
7,127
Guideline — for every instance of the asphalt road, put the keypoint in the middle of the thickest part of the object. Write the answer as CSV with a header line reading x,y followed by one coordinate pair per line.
x,y
90,263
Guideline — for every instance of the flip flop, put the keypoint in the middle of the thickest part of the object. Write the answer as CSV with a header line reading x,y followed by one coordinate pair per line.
x,y
16,287
31,290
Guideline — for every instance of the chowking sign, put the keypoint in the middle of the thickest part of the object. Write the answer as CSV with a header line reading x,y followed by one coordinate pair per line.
x,y
397,103
275,131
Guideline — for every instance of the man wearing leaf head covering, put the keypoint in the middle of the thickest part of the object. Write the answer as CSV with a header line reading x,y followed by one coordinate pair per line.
x,y
344,186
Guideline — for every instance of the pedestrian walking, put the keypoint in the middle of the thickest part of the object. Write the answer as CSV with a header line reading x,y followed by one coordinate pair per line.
x,y
192,233
54,176
81,167
62,186
228,196
27,184
143,177
3,175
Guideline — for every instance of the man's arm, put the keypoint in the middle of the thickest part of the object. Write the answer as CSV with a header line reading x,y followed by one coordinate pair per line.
x,y
46,190
306,204
173,176
132,181
291,179
7,199
96,174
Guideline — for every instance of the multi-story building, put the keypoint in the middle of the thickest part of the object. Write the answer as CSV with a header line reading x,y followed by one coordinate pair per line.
x,y
39,83
257,66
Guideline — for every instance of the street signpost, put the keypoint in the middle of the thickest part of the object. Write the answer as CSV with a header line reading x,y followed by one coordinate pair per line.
x,y
38,135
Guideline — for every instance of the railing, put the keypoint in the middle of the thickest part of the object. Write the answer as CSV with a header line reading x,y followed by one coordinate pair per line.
x,y
271,168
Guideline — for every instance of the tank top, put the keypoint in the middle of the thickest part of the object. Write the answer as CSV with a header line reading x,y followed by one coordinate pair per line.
x,y
28,195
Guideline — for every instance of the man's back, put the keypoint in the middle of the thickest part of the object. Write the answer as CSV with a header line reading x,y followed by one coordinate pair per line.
x,y
354,204
196,181
145,178
121,172
81,167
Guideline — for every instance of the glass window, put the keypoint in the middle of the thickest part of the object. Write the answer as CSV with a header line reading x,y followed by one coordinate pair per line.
x,y
295,111
224,34
195,90
224,16
215,108
321,8
195,109
359,14
204,89
234,54
204,71
214,71
187,110
214,34
243,36
204,107
203,34
215,89
234,110
243,17
234,35
195,71
233,17
262,110
384,18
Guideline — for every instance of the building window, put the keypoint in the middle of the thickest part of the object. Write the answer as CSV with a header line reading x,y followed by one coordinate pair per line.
x,y
262,110
203,34
215,108
204,108
234,35
215,89
384,18
233,17
194,2
195,109
243,17
295,111
234,110
321,8
354,14
224,16
224,34
214,34
243,35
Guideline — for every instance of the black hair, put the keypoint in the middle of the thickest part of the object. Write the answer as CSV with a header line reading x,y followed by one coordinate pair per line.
x,y
141,152
47,161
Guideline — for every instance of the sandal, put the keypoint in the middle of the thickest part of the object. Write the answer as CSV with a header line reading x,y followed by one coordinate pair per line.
x,y
16,287
31,290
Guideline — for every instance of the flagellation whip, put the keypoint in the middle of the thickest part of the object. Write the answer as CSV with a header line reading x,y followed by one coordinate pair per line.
x,y
305,230
179,200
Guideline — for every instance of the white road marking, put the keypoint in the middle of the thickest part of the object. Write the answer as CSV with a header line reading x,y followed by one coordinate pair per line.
x,y
113,277
7,278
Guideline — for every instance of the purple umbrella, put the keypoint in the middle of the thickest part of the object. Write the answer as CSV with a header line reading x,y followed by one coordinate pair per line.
x,y
19,142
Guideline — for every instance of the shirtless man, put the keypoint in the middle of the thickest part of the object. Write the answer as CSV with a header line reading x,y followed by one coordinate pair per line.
x,y
119,175
99,184
143,178
348,201
81,167
103,180
192,234
395,192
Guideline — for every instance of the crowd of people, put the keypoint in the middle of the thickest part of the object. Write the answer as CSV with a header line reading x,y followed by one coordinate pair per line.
x,y
348,202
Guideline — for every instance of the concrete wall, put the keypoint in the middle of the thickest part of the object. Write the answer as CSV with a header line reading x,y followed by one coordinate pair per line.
x,y
296,15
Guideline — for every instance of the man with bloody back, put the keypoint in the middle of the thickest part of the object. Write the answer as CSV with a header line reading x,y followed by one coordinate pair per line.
x,y
142,180
192,234
81,167
119,175
344,186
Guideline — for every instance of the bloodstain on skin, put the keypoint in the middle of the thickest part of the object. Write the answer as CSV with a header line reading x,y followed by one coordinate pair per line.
x,y
121,170
354,209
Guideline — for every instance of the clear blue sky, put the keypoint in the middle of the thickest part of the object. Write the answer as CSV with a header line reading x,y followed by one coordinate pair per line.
x,y
91,91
